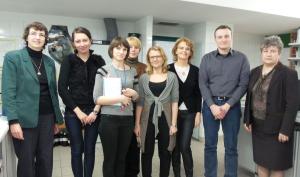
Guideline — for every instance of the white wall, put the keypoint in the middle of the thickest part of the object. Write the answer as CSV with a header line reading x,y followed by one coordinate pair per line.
x,y
248,44
169,31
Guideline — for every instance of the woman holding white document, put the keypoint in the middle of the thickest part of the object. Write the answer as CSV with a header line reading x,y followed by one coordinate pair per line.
x,y
114,90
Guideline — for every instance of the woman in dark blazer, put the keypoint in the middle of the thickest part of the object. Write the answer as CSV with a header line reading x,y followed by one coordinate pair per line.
x,y
189,104
30,102
271,107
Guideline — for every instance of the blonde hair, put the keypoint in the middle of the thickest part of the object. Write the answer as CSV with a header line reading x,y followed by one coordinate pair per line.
x,y
134,41
149,68
188,43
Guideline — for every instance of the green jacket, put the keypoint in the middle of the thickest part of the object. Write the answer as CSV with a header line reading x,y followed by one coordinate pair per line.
x,y
21,88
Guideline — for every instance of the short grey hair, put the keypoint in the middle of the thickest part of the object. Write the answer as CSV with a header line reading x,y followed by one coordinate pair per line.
x,y
274,41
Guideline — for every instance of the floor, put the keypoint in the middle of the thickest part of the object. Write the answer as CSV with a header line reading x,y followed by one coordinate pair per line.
x,y
62,163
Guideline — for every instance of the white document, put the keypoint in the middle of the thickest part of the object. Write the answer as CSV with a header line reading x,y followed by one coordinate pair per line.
x,y
112,87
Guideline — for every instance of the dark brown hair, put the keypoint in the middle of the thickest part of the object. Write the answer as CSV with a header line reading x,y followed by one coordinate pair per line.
x,y
116,42
36,26
83,30
222,27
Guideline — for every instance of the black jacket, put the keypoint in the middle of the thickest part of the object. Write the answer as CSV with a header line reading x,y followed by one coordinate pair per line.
x,y
282,101
77,79
189,91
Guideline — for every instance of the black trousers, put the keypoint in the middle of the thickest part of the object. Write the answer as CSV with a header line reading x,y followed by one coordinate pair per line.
x,y
163,143
35,152
115,133
132,168
185,124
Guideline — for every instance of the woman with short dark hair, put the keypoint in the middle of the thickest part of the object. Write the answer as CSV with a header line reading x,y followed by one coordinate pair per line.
x,y
30,102
116,124
270,112
75,86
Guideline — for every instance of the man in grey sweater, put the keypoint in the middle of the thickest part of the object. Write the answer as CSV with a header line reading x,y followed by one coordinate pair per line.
x,y
223,79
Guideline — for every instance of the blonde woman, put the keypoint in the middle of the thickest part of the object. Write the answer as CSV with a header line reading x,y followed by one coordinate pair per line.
x,y
156,112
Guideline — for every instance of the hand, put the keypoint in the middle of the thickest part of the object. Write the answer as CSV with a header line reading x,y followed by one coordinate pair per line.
x,y
16,131
125,100
81,116
216,111
197,119
283,138
248,128
90,118
173,130
225,108
56,129
137,130
130,93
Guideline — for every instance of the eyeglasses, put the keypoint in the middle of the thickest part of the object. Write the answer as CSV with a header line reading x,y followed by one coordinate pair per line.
x,y
184,48
37,34
157,57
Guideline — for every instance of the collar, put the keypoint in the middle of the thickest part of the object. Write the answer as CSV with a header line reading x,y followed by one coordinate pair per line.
x,y
132,61
231,52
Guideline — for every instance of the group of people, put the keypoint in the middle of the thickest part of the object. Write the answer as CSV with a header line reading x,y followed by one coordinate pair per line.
x,y
157,101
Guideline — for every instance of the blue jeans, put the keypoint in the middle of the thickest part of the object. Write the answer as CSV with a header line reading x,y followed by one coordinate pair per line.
x,y
230,127
82,144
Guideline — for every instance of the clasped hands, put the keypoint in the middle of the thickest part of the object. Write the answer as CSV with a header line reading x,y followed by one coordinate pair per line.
x,y
219,112
127,96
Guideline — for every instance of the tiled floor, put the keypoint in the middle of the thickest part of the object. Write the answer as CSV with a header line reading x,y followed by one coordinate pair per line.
x,y
62,163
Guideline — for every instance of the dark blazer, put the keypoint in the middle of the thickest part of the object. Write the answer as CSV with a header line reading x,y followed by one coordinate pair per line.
x,y
189,91
21,88
282,100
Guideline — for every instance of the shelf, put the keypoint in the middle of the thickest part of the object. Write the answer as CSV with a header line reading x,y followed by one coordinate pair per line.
x,y
294,44
294,58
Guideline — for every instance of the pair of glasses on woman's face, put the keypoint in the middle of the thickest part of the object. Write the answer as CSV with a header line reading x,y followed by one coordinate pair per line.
x,y
155,57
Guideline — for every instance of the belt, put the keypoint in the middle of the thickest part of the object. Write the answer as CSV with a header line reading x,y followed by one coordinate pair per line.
x,y
221,98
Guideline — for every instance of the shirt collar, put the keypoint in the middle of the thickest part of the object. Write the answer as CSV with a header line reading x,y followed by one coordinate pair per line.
x,y
231,52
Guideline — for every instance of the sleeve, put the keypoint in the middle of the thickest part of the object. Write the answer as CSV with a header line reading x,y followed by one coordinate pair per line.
x,y
175,89
141,99
59,118
292,103
247,113
135,81
243,83
63,84
198,93
203,82
9,88
98,87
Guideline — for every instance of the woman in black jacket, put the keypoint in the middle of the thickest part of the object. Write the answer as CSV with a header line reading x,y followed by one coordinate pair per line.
x,y
189,104
75,86
271,107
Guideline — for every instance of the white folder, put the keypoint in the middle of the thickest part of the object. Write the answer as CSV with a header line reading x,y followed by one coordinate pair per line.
x,y
112,87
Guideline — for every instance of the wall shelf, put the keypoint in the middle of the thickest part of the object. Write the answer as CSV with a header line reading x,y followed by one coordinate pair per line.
x,y
294,44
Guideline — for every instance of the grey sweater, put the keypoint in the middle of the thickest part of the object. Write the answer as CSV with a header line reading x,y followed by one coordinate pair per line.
x,y
162,103
129,80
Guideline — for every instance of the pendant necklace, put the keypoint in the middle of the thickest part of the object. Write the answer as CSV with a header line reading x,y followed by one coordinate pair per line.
x,y
38,67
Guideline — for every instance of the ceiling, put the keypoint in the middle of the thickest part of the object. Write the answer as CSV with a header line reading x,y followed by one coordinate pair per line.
x,y
181,12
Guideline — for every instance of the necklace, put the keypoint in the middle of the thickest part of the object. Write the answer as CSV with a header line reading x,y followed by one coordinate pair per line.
x,y
38,67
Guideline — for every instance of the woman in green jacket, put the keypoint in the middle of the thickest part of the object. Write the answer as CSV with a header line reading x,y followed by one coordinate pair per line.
x,y
30,102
